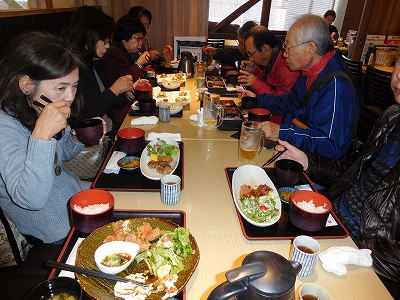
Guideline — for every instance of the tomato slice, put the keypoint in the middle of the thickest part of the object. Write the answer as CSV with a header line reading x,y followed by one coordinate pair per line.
x,y
262,207
166,238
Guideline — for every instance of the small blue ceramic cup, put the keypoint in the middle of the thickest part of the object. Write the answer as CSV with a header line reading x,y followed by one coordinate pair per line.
x,y
170,189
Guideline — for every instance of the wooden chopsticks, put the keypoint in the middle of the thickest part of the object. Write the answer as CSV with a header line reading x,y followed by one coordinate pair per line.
x,y
273,158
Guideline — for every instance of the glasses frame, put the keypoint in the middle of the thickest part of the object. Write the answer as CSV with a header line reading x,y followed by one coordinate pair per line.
x,y
248,56
286,49
138,39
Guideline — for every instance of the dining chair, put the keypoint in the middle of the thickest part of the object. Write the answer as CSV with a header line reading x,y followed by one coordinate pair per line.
x,y
355,67
377,91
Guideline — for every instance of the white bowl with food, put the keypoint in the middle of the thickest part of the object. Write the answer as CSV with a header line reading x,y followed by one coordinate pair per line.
x,y
175,107
171,84
114,257
255,196
160,157
175,64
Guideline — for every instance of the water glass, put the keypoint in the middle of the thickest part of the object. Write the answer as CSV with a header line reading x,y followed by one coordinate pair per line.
x,y
164,112
170,189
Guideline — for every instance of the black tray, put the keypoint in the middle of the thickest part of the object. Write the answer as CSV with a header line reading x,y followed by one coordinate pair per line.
x,y
231,124
283,229
132,180
139,113
178,217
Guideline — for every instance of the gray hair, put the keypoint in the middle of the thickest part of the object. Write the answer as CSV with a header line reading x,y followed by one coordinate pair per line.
x,y
314,28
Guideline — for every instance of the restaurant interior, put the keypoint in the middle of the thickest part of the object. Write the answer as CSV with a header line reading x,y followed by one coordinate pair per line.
x,y
209,158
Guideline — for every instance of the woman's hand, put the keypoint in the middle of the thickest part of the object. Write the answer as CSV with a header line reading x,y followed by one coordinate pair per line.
x,y
122,85
143,58
292,153
246,78
208,50
52,119
154,54
167,53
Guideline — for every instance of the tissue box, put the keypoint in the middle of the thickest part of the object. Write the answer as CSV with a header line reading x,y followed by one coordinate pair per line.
x,y
233,116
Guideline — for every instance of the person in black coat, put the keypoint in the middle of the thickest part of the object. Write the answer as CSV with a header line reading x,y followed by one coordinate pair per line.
x,y
330,17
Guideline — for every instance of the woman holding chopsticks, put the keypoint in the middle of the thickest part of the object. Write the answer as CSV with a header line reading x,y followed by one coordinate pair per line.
x,y
35,136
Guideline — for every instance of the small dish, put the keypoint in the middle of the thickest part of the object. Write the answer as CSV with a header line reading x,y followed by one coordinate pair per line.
x,y
57,287
129,163
285,192
175,108
253,176
128,249
171,84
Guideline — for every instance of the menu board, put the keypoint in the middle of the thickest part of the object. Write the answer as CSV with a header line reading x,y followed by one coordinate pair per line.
x,y
372,40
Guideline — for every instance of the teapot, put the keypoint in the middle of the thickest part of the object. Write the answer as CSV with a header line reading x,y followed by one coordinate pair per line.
x,y
263,275
186,63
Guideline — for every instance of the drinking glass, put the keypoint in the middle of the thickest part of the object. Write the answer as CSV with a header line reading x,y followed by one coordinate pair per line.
x,y
200,74
250,143
213,112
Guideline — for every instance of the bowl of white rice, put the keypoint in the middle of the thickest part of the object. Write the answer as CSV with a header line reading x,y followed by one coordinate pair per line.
x,y
91,209
309,210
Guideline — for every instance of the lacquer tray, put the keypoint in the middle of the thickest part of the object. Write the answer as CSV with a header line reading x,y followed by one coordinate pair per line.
x,y
132,180
283,229
178,217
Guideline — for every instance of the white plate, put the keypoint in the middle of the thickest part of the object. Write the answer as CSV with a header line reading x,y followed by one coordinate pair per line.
x,y
171,97
181,77
253,175
144,159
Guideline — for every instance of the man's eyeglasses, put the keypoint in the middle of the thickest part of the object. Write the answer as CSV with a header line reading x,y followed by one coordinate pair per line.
x,y
286,48
139,39
250,54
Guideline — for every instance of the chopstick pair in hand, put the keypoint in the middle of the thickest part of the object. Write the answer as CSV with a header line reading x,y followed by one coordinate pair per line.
x,y
273,158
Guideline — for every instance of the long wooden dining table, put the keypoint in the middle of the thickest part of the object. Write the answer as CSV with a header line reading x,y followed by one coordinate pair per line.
x,y
212,219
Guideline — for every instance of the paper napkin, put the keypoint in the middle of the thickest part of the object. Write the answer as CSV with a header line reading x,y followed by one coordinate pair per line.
x,y
145,120
335,259
112,166
154,135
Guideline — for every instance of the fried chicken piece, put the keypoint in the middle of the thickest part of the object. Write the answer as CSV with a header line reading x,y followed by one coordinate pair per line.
x,y
164,169
245,190
152,164
167,159
261,190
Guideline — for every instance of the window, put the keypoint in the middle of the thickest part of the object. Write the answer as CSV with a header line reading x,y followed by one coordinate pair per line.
x,y
283,12
14,4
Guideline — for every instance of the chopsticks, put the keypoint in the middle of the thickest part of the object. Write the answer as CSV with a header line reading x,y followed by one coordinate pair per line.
x,y
273,158
90,272
72,121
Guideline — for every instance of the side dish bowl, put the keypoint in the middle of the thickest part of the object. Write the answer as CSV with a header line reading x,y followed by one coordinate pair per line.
x,y
63,287
309,210
129,163
171,84
253,176
112,248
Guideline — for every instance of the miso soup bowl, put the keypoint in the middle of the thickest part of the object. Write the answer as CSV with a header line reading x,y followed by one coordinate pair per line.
x,y
131,140
89,220
90,133
303,210
259,114
147,105
143,92
288,172
52,287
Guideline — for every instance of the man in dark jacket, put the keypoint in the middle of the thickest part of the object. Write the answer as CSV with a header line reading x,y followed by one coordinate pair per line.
x,y
366,192
321,111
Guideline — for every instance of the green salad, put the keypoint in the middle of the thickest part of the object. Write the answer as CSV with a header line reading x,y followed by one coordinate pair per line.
x,y
261,209
166,255
161,148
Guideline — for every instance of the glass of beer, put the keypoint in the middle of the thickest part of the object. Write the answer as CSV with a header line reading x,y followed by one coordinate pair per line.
x,y
213,112
250,143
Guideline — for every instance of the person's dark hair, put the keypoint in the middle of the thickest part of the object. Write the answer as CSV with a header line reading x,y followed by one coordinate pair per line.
x,y
330,13
126,27
140,11
244,29
86,27
41,56
262,36
312,28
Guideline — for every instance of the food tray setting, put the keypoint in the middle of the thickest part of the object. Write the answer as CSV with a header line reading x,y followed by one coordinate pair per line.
x,y
177,217
233,116
283,229
133,180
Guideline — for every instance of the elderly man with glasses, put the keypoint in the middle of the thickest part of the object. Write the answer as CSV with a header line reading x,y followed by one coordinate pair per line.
x,y
265,70
322,110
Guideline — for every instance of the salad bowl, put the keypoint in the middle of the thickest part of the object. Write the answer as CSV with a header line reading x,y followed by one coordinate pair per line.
x,y
145,158
256,214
